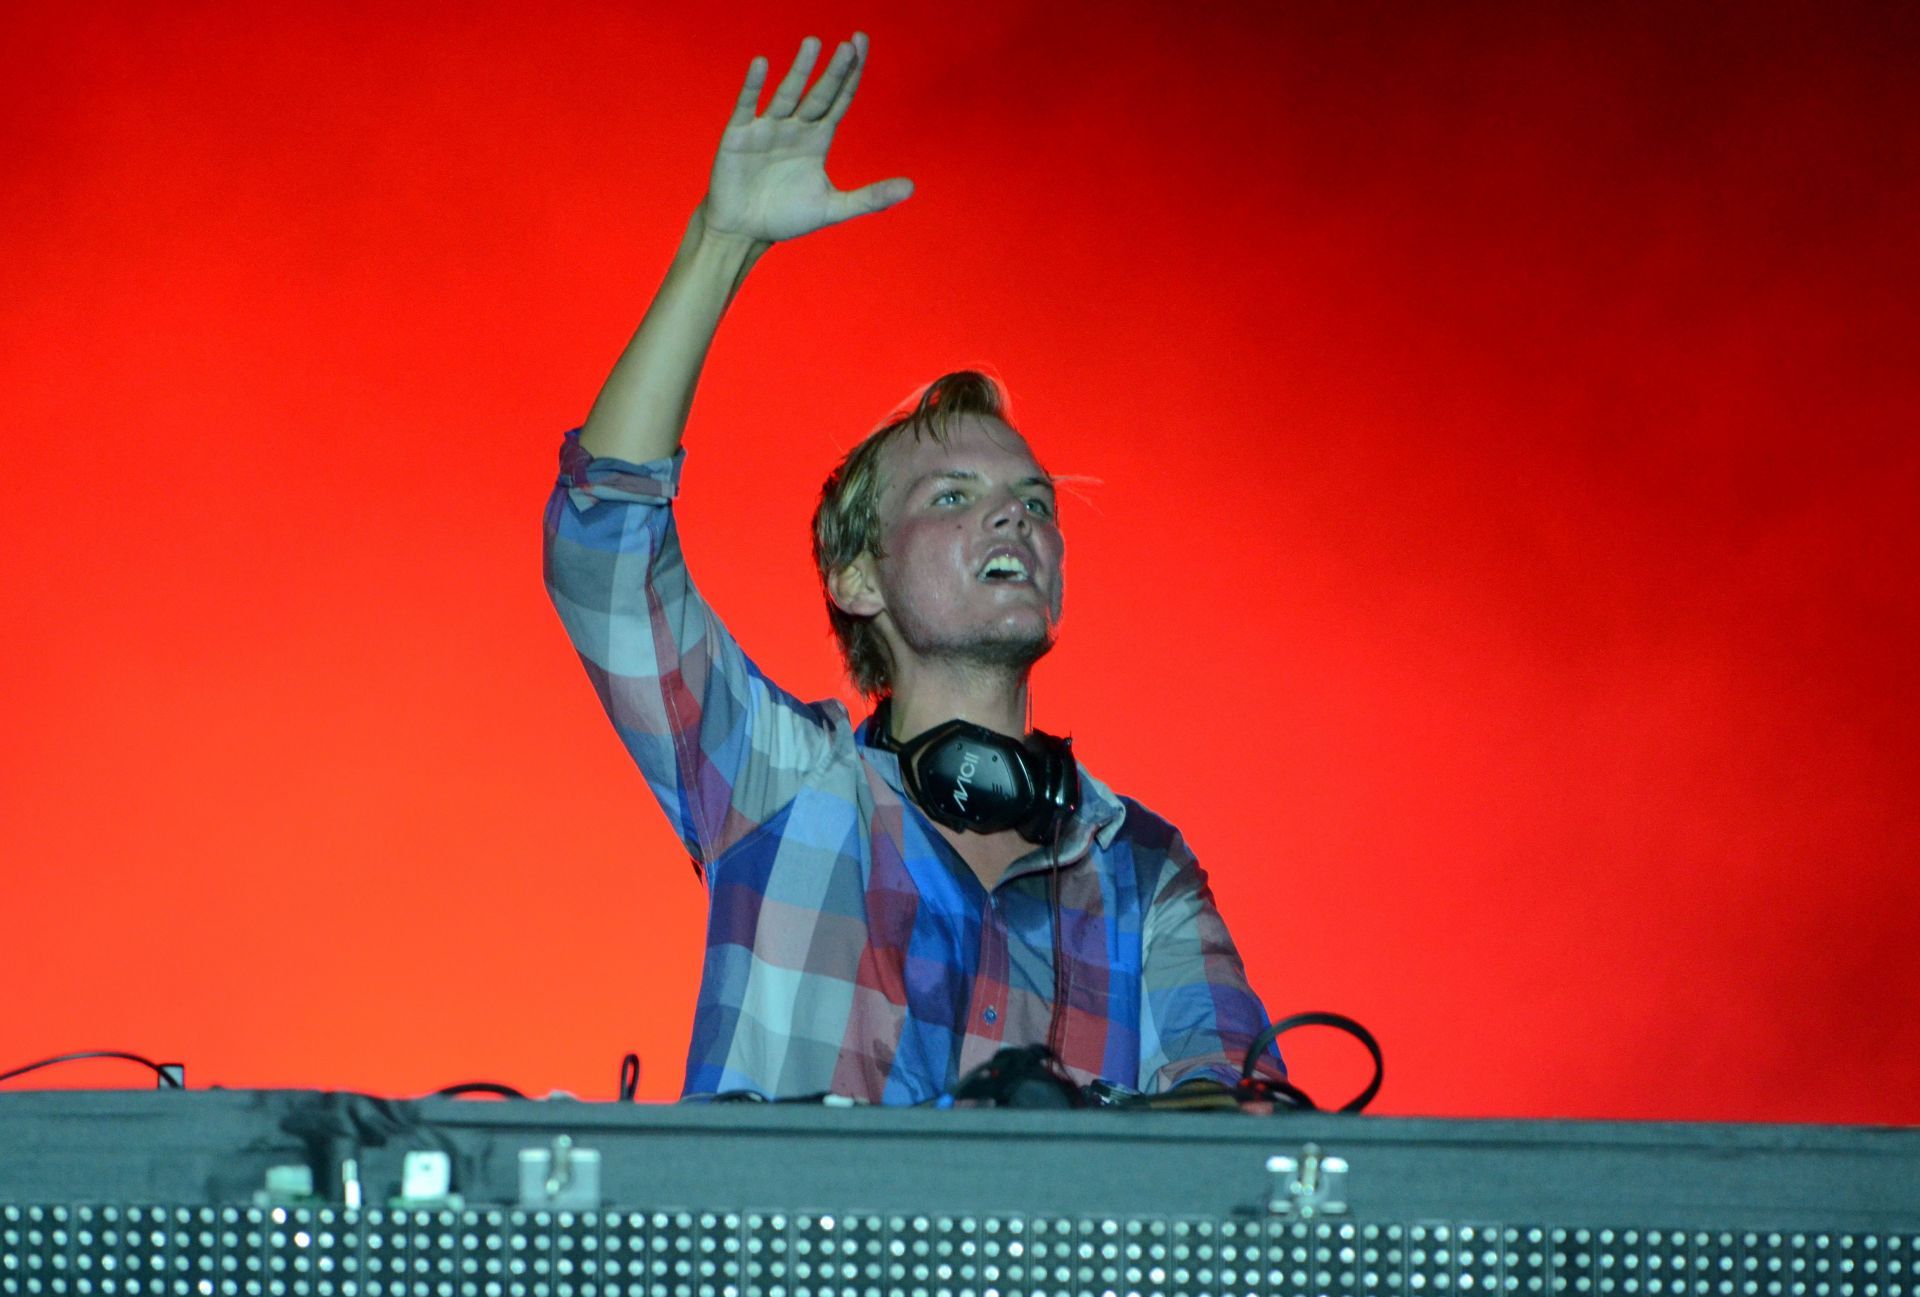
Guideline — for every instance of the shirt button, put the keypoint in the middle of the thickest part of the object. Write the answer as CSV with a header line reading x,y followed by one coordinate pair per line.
x,y
992,1014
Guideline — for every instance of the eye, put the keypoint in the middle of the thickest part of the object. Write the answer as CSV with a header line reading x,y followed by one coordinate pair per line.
x,y
1039,505
951,495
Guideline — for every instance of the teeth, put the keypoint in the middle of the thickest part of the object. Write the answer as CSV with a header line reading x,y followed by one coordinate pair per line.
x,y
1004,564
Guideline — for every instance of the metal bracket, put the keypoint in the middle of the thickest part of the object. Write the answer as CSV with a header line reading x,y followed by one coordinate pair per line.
x,y
560,1176
1311,1184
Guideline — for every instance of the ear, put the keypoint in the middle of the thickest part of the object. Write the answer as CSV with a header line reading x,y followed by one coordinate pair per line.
x,y
854,589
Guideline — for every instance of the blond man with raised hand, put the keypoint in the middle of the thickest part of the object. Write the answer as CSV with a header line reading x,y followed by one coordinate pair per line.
x,y
891,903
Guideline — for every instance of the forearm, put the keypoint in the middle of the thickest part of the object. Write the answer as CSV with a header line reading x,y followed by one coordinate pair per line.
x,y
642,410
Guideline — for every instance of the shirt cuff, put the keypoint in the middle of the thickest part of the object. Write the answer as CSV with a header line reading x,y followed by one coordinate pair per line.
x,y
588,479
1224,1073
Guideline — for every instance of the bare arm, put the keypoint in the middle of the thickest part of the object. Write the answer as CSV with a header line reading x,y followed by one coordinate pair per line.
x,y
769,183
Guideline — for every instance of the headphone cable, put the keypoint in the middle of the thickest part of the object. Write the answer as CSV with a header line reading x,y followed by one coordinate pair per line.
x,y
1057,1021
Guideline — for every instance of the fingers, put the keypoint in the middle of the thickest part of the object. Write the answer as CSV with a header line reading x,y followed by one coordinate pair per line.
x,y
749,101
827,100
827,89
788,94
843,93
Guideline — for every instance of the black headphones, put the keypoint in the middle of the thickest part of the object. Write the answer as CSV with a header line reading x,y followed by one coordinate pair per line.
x,y
967,777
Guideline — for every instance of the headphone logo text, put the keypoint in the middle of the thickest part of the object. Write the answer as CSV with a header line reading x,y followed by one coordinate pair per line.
x,y
968,765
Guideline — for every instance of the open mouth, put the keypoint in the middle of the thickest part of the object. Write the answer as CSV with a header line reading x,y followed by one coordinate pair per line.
x,y
1004,567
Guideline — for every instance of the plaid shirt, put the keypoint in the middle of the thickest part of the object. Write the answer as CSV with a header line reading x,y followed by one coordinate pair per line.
x,y
848,947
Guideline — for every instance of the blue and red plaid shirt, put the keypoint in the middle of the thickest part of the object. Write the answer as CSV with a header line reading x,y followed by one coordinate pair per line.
x,y
849,949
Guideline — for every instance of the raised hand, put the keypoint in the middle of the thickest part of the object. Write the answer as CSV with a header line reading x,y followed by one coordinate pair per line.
x,y
769,178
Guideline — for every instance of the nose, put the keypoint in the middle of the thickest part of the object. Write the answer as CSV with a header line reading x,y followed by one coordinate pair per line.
x,y
1010,515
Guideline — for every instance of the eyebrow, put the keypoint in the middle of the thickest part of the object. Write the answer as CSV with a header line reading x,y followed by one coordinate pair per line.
x,y
968,475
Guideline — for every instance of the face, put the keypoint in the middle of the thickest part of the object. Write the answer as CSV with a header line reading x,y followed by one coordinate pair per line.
x,y
971,562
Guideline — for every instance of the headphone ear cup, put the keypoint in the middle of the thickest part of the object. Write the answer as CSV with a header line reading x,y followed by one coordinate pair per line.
x,y
1061,783
1036,791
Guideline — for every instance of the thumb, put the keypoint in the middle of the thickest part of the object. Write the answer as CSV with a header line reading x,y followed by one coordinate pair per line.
x,y
877,197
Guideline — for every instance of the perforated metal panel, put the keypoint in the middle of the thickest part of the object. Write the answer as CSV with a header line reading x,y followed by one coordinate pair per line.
x,y
159,1251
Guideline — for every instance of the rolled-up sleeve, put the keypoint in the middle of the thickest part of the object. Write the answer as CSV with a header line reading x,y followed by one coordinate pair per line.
x,y
722,747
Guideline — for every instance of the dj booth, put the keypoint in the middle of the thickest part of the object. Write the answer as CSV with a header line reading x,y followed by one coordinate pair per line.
x,y
303,1194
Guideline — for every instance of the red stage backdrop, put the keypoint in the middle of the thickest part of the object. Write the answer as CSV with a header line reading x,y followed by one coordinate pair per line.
x,y
1502,563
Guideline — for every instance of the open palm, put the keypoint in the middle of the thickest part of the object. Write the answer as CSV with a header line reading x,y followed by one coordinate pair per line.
x,y
769,178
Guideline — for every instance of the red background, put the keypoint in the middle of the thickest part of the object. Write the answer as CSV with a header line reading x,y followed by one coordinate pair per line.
x,y
1502,566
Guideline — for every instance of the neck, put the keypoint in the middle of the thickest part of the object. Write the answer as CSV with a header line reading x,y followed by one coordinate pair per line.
x,y
993,697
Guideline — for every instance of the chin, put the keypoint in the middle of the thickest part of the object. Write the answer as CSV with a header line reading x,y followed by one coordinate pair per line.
x,y
1020,647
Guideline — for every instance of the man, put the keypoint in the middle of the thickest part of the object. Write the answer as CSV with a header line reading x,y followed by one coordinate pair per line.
x,y
877,929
